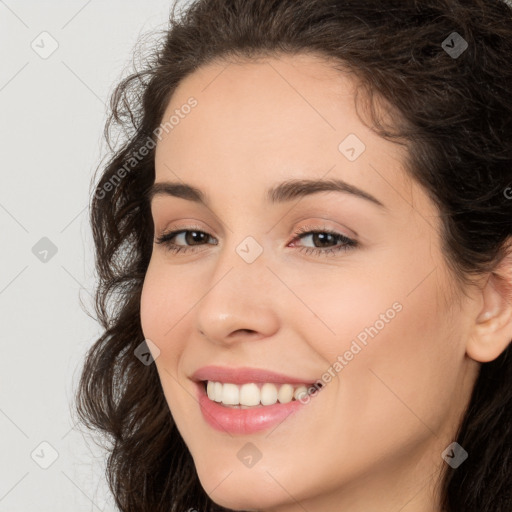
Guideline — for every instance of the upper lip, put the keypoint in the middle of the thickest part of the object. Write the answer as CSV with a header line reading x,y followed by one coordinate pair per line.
x,y
244,375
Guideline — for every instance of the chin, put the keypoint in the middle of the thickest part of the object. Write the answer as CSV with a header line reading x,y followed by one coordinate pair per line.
x,y
242,490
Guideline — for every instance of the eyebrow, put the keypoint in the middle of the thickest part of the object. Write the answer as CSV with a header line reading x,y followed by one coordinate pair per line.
x,y
280,193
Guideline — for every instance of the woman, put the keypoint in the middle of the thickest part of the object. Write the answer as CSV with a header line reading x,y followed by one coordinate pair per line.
x,y
310,225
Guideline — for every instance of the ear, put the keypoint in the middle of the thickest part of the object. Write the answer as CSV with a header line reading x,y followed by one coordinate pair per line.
x,y
492,330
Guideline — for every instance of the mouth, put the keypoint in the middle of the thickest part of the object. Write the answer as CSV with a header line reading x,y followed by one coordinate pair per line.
x,y
256,394
244,401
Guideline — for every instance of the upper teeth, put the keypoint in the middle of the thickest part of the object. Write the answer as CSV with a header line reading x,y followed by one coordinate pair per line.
x,y
251,394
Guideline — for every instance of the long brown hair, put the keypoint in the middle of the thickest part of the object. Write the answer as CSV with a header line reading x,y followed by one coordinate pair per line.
x,y
454,113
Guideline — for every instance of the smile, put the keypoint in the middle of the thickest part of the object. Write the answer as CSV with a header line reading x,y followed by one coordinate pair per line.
x,y
254,394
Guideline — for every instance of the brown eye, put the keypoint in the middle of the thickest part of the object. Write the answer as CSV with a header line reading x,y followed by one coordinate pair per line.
x,y
185,237
324,238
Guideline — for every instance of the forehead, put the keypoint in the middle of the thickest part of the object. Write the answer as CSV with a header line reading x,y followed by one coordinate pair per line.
x,y
275,118
300,97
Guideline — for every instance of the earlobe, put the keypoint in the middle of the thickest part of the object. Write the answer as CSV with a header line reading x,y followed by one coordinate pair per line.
x,y
492,329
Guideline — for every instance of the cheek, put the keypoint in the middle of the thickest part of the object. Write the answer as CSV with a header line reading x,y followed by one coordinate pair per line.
x,y
345,312
388,348
408,369
167,310
162,304
381,298
150,306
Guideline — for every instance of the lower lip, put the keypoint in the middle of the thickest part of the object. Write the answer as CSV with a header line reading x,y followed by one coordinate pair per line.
x,y
244,421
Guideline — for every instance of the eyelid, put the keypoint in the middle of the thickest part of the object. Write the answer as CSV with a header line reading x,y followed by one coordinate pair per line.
x,y
182,225
348,243
312,223
324,227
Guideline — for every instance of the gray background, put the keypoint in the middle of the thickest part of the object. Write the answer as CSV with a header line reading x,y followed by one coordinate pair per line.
x,y
53,109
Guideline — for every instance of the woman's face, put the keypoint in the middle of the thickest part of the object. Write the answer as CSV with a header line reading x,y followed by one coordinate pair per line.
x,y
377,321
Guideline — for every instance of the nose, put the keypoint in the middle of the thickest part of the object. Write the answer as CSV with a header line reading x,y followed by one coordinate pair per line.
x,y
239,301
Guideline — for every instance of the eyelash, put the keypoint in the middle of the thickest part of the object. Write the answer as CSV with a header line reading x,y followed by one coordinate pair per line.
x,y
307,230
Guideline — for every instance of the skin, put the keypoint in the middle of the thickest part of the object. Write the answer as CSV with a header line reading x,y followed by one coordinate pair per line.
x,y
372,439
